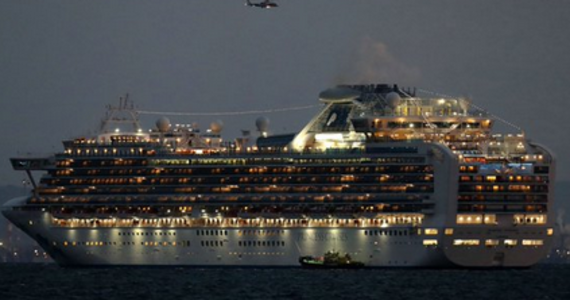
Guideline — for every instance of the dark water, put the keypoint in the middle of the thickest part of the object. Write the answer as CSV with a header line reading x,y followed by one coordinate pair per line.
x,y
31,281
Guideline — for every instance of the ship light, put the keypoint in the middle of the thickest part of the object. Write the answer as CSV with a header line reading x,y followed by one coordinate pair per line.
x,y
430,242
431,231
117,130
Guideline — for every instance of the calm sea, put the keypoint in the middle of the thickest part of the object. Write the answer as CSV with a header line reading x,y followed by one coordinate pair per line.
x,y
36,281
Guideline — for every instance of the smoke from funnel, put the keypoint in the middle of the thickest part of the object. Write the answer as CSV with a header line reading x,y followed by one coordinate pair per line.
x,y
373,63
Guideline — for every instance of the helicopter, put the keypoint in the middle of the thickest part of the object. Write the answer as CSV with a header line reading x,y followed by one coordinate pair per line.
x,y
264,4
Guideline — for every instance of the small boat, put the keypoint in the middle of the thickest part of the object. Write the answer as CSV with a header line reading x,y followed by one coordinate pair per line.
x,y
331,260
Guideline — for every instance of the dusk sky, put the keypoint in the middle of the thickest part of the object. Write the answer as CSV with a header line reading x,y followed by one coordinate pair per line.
x,y
61,62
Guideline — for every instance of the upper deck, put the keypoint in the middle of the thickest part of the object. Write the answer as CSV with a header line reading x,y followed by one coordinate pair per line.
x,y
353,116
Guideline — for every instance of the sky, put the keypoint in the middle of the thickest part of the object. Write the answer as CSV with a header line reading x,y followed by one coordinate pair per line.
x,y
61,62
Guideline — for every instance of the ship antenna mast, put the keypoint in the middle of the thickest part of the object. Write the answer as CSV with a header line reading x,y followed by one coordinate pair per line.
x,y
124,113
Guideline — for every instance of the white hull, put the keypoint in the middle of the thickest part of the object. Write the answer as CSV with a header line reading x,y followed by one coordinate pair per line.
x,y
270,246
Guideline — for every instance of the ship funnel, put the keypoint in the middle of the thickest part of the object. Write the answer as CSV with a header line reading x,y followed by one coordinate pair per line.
x,y
339,95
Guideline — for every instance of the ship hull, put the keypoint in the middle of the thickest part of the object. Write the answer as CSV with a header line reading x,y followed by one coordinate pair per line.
x,y
260,247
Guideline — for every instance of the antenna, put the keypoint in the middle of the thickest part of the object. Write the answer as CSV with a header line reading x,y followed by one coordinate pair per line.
x,y
122,114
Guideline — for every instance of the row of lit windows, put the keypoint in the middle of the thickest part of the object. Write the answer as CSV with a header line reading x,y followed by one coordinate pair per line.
x,y
347,177
114,222
289,170
63,163
164,243
240,254
475,169
92,183
481,160
82,163
526,219
532,219
105,152
284,160
504,178
131,210
175,161
426,231
511,188
148,214
504,198
140,233
387,201
110,172
469,219
421,111
468,169
88,243
229,222
315,187
129,243
216,243
496,242
510,208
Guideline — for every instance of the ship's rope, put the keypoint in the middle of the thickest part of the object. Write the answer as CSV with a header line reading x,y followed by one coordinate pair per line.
x,y
226,113
476,107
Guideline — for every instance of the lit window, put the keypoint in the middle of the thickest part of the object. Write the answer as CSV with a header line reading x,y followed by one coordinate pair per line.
x,y
465,242
469,219
431,231
430,242
549,231
490,219
532,242
530,219
491,243
448,231
510,243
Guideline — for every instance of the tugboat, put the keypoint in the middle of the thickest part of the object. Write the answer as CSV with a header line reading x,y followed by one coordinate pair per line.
x,y
331,260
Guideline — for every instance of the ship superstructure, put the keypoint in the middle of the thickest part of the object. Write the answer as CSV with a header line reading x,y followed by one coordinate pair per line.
x,y
388,177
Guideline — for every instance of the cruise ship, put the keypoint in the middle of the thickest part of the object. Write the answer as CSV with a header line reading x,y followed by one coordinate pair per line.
x,y
387,175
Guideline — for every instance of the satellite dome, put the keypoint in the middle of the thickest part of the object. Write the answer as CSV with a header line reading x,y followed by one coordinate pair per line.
x,y
393,99
163,124
217,126
262,123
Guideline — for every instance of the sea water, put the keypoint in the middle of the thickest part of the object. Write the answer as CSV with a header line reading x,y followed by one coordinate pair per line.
x,y
48,281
